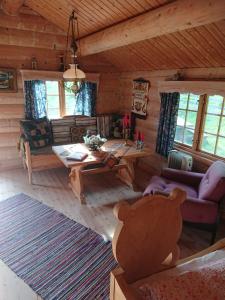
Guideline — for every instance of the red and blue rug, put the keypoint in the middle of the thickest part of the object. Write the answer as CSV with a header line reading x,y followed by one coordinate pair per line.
x,y
57,257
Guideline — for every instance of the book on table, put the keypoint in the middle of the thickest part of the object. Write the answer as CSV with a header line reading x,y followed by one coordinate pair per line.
x,y
77,156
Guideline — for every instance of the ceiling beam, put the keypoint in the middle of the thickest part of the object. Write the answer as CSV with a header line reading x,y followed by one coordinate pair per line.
x,y
11,7
29,22
176,16
24,38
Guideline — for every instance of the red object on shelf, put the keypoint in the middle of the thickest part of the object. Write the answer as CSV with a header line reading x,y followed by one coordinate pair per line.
x,y
139,136
126,121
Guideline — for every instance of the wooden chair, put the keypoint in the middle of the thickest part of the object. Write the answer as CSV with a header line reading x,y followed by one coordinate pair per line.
x,y
41,159
145,240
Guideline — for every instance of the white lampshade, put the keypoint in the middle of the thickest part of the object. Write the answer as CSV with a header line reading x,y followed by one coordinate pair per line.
x,y
74,73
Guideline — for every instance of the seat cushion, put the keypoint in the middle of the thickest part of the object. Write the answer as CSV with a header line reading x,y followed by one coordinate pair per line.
x,y
199,211
212,186
163,185
42,151
37,132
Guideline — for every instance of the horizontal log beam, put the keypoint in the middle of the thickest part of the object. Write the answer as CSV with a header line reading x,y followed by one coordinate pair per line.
x,y
11,7
173,17
29,22
22,38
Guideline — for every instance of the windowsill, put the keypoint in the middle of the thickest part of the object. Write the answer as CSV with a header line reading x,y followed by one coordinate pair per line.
x,y
201,156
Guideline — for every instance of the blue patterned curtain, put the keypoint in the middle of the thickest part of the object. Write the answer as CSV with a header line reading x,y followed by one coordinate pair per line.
x,y
35,99
167,122
86,99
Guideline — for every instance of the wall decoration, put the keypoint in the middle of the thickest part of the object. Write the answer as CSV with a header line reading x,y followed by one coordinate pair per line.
x,y
8,82
140,97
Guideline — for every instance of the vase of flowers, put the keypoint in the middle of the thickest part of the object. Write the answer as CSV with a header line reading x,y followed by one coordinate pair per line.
x,y
94,142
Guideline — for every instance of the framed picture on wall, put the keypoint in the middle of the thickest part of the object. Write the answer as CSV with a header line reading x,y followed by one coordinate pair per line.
x,y
8,80
140,97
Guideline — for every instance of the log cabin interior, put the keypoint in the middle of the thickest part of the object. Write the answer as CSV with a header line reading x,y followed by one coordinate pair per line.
x,y
142,198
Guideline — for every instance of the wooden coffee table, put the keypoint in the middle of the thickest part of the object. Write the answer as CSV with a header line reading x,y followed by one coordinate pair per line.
x,y
125,168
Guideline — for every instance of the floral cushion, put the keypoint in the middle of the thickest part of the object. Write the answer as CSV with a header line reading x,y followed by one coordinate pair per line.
x,y
37,132
205,282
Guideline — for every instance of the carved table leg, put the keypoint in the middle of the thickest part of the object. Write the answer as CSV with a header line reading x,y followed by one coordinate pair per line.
x,y
76,182
127,174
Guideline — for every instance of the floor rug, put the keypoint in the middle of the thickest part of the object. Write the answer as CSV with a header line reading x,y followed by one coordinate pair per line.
x,y
57,257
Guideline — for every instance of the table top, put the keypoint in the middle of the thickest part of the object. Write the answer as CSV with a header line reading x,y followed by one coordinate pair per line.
x,y
117,147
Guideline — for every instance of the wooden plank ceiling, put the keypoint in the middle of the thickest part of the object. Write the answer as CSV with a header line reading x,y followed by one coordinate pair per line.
x,y
93,15
202,46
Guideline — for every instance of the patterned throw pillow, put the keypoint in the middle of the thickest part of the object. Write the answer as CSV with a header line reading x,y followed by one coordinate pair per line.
x,y
77,134
37,132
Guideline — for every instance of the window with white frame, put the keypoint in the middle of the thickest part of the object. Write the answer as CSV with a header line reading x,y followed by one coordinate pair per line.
x,y
201,123
60,102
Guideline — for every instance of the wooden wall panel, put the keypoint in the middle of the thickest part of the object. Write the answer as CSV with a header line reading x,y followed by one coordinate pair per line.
x,y
108,98
149,126
12,110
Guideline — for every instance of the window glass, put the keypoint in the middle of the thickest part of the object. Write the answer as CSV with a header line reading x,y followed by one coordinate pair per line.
x,y
70,99
208,143
53,106
186,120
213,137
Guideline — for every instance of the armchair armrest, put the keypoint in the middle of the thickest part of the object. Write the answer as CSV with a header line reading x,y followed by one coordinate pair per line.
x,y
189,178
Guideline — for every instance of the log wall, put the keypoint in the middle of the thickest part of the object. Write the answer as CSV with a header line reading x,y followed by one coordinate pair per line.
x,y
150,126
12,110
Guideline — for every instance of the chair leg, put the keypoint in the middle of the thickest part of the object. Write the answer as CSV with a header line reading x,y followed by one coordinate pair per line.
x,y
213,237
30,176
214,231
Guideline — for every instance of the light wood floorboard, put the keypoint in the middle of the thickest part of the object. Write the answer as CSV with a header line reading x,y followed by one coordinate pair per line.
x,y
102,192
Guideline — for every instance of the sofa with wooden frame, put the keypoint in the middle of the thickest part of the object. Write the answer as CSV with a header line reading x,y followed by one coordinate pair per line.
x,y
61,131
204,194
145,247
36,149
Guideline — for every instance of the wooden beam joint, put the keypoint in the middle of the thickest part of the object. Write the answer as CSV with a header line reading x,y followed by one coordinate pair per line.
x,y
11,7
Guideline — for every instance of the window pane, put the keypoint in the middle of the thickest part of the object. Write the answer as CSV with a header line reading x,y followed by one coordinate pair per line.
x,y
211,124
70,104
179,134
191,119
215,104
188,136
220,149
193,102
53,102
53,114
222,127
183,101
52,87
181,117
208,143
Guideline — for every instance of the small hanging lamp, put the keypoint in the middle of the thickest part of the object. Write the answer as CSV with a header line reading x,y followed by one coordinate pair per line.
x,y
74,75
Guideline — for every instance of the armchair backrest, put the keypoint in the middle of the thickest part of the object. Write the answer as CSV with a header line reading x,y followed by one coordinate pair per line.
x,y
212,186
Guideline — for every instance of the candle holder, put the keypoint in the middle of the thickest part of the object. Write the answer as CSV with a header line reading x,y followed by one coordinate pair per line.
x,y
126,135
139,145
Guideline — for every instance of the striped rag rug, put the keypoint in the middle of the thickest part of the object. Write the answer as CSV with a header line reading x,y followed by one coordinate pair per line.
x,y
57,257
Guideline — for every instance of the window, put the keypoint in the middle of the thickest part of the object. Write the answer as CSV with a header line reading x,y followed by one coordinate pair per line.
x,y
52,97
70,101
201,123
213,132
186,120
60,101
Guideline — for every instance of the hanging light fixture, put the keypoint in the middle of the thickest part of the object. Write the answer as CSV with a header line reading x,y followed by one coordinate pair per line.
x,y
73,75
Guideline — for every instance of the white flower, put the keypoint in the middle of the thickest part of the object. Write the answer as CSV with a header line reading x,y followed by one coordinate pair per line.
x,y
94,140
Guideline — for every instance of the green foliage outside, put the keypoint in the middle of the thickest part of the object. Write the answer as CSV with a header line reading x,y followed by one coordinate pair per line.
x,y
187,114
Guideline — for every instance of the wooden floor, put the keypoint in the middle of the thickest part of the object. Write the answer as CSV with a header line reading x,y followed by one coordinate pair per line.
x,y
102,192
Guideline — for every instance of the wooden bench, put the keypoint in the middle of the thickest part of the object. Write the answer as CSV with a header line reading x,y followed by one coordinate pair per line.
x,y
38,160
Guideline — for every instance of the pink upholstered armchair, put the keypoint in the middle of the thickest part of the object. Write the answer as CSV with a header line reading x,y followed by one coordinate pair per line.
x,y
204,193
